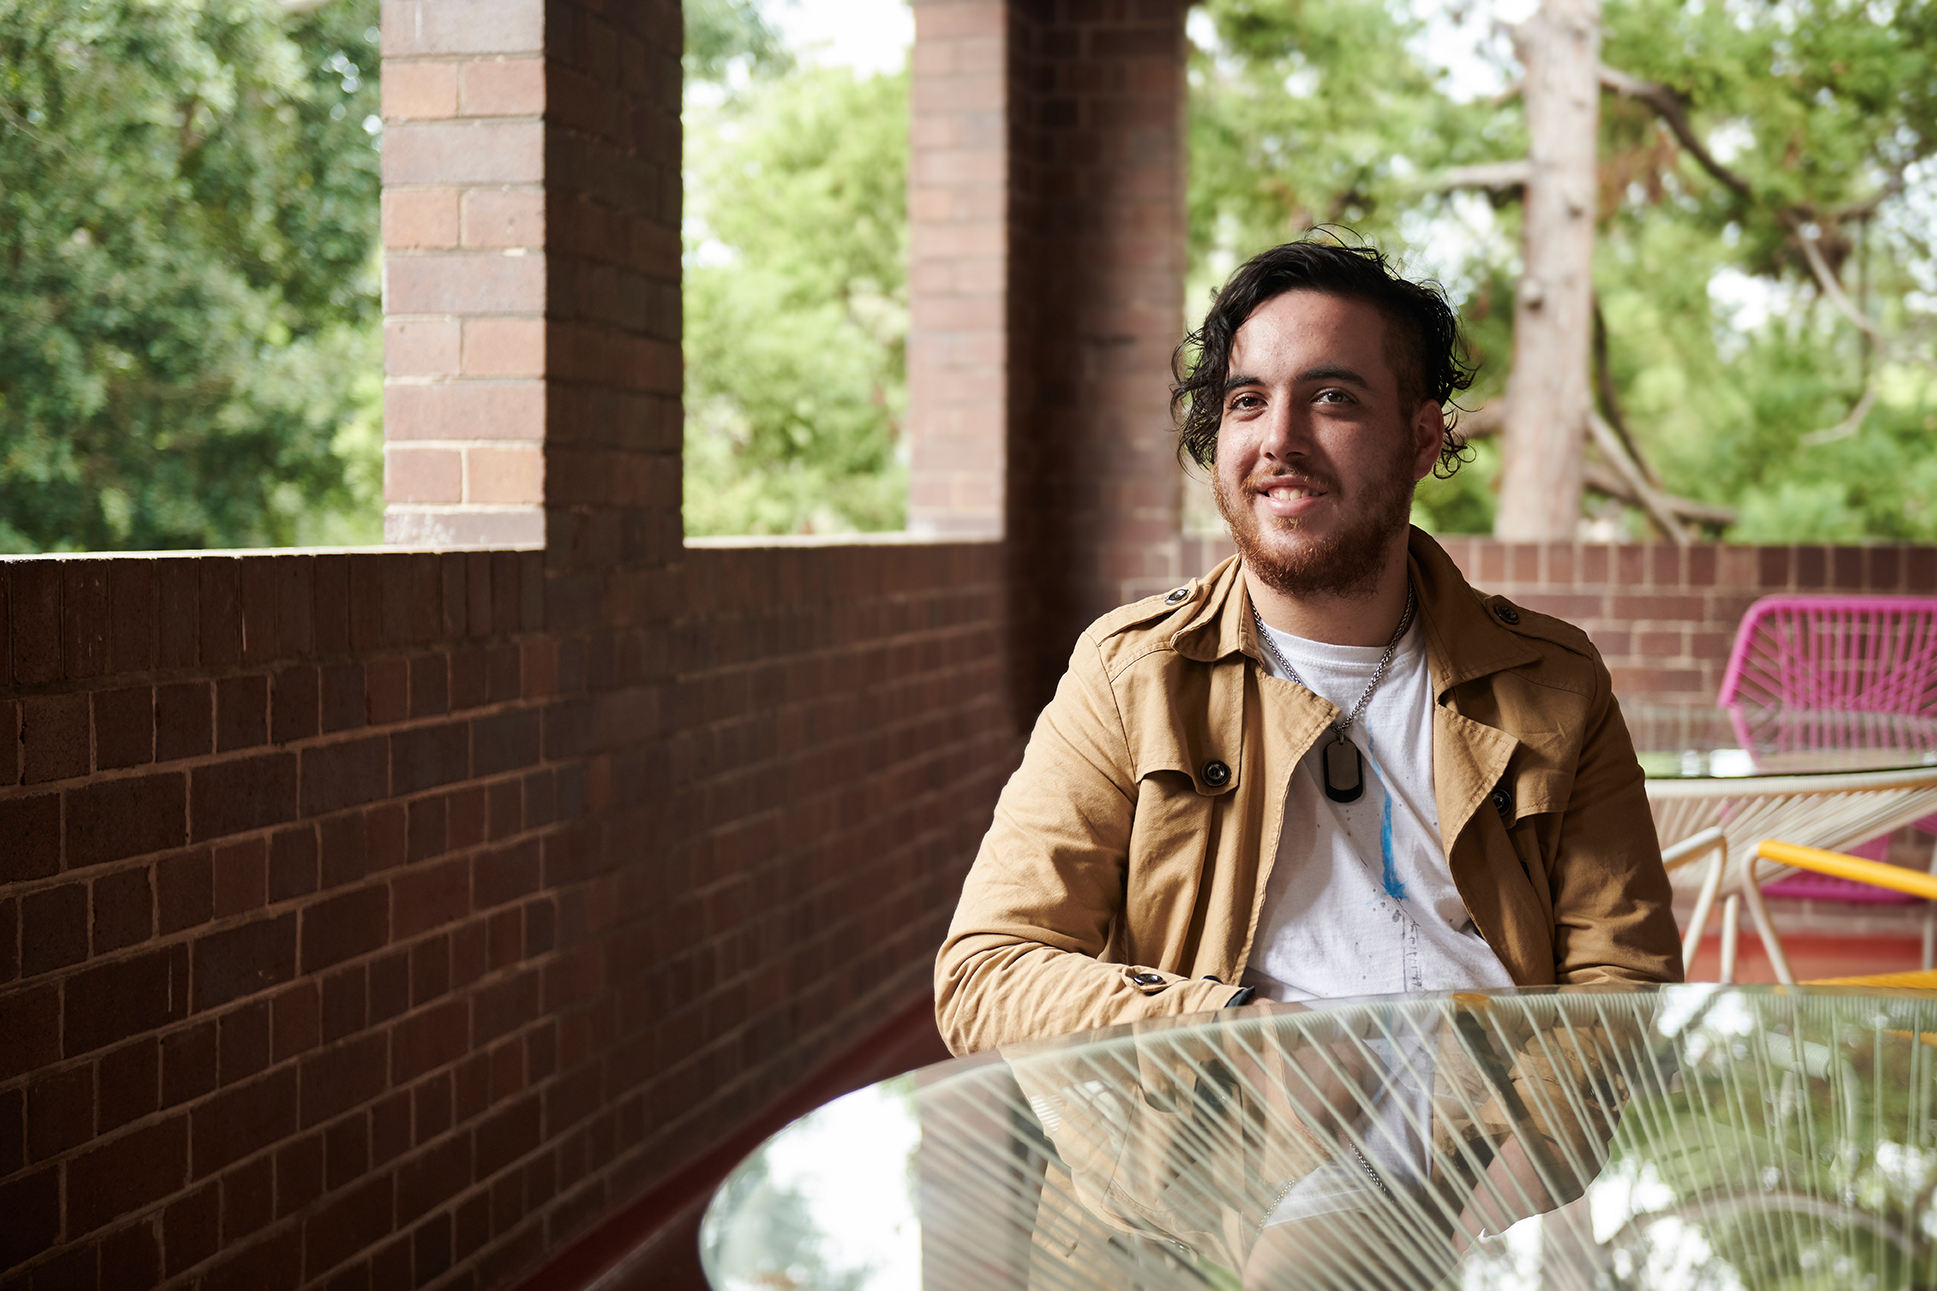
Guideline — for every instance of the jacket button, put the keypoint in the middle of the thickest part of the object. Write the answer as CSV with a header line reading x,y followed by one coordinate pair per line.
x,y
1181,594
1216,774
1147,979
1502,802
1506,612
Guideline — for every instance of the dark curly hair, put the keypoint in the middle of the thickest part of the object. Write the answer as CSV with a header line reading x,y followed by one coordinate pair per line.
x,y
1423,343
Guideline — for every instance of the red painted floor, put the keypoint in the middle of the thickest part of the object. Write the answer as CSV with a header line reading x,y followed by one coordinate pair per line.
x,y
1812,957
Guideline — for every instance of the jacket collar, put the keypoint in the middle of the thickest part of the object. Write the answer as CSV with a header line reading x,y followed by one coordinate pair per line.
x,y
1463,638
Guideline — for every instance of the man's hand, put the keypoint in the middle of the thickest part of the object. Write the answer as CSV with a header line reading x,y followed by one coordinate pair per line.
x,y
1509,1192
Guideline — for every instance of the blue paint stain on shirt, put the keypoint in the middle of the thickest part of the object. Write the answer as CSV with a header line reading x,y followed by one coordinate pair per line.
x,y
1395,887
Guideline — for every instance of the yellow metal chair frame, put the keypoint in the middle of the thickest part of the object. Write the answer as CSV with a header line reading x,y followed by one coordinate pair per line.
x,y
1837,865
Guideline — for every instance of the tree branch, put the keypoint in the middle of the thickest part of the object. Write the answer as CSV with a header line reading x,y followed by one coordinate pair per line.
x,y
1826,279
1846,427
1602,479
1674,114
1610,404
1657,508
1494,176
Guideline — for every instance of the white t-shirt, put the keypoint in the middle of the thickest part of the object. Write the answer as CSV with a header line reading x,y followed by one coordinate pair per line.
x,y
1360,900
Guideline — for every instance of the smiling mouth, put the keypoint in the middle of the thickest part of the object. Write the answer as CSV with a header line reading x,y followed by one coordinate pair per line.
x,y
1285,491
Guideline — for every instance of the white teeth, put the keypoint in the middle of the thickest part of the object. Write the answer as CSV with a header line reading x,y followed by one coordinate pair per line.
x,y
1285,493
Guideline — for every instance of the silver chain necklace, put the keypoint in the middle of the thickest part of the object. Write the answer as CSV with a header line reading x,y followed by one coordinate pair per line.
x,y
1344,764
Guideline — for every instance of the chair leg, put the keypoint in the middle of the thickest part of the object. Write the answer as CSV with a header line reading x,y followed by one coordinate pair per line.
x,y
1766,928
1731,921
1930,917
1691,944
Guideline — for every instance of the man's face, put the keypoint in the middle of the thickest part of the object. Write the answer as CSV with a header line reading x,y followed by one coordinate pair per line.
x,y
1316,459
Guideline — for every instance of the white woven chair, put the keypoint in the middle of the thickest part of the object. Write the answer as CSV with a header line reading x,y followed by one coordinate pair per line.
x,y
1721,820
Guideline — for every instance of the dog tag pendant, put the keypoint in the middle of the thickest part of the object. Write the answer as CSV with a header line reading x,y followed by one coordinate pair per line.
x,y
1344,771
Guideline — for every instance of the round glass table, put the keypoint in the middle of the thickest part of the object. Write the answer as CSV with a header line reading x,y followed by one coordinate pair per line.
x,y
1685,1136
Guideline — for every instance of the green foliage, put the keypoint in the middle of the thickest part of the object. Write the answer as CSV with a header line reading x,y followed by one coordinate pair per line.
x,y
188,206
721,32
796,305
1826,111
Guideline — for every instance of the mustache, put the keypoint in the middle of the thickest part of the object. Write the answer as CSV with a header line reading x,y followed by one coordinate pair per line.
x,y
1263,480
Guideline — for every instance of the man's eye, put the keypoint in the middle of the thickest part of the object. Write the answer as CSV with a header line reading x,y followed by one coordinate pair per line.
x,y
1245,402
1333,396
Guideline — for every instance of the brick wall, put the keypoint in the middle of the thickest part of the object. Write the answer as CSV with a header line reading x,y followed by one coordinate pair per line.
x,y
358,929
1663,617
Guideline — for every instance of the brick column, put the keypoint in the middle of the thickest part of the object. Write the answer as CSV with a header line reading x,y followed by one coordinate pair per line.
x,y
464,95
958,196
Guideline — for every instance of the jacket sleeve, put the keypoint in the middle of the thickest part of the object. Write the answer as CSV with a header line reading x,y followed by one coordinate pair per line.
x,y
1612,917
1021,960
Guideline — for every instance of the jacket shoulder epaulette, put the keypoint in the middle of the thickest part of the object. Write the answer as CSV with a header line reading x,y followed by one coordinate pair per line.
x,y
1541,627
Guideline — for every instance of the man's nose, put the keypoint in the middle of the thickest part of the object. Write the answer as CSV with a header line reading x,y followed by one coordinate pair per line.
x,y
1285,433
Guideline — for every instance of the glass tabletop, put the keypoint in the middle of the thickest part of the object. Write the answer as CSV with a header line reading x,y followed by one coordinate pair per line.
x,y
1696,741
1687,1136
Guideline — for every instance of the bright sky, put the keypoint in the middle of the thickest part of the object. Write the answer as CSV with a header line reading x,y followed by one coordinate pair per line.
x,y
868,35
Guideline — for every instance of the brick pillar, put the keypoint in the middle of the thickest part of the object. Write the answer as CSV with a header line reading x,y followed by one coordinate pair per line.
x,y
958,196
464,144
1046,208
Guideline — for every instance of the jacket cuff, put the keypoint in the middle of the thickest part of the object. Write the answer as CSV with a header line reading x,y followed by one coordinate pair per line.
x,y
1245,995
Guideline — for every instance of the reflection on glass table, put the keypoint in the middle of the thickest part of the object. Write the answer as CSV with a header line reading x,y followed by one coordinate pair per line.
x,y
1682,741
1689,1137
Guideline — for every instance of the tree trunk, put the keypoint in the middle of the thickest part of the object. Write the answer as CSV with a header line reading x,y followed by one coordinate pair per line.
x,y
1547,394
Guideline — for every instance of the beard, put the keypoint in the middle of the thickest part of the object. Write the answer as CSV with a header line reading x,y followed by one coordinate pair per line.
x,y
1347,562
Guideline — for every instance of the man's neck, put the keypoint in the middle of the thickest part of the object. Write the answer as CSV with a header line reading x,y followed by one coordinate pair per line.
x,y
1362,620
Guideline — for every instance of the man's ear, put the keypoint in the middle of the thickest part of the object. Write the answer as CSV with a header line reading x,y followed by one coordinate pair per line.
x,y
1429,436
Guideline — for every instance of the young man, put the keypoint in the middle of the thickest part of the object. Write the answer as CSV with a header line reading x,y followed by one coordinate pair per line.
x,y
1330,767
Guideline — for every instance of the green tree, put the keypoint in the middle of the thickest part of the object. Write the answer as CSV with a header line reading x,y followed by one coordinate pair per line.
x,y
795,290
188,232
1814,122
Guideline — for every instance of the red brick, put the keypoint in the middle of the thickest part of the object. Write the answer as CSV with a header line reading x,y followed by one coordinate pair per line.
x,y
240,961
259,595
131,1257
423,475
295,605
336,929
351,1223
111,1002
429,686
332,604
130,1079
248,1200
472,1226
413,89
426,829
241,873
292,863
189,1229
389,986
178,630
53,737
507,1135
9,940
471,1088
53,928
32,828
9,734
504,1006
427,756
243,1120
388,682
32,1205
272,1264
431,1248
184,720
124,910
345,849
1846,569
242,794
502,409
502,87
419,219
184,890
114,819
346,1151
426,607
299,1174
430,970
60,1111
241,712
1812,568
345,774
453,152
220,602
470,680
343,705
242,1044
131,608
506,809
341,1077
188,1064
294,706
296,1025
388,832
29,1029
126,1173
124,727
35,608
390,1128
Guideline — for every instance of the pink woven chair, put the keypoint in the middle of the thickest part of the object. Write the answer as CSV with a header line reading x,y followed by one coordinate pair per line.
x,y
1847,654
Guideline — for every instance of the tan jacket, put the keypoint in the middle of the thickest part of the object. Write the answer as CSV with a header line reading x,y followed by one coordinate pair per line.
x,y
1124,872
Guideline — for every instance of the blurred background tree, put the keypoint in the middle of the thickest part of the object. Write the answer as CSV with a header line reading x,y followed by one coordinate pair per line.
x,y
795,285
1797,396
191,352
